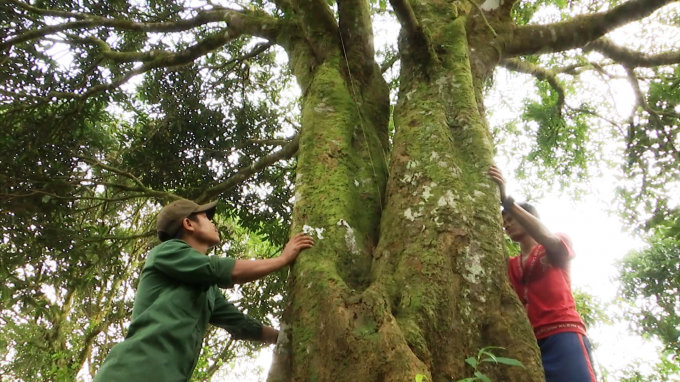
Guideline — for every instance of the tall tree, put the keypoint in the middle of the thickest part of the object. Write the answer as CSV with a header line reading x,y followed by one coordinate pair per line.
x,y
408,274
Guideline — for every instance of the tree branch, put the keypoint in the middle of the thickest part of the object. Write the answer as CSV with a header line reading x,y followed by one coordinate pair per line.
x,y
257,50
356,31
408,21
175,59
594,114
245,173
629,57
249,142
96,163
254,23
575,33
541,73
506,8
6,197
317,14
222,356
387,64
114,237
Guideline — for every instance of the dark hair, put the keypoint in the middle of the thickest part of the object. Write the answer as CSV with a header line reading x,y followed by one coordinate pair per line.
x,y
164,236
528,208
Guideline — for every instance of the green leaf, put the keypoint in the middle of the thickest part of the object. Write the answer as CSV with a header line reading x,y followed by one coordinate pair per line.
x,y
421,378
472,361
509,361
482,377
492,358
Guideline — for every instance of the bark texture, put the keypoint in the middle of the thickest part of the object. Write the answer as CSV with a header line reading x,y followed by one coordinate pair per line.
x,y
409,274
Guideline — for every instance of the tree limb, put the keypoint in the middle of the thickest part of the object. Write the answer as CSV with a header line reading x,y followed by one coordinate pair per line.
x,y
254,23
580,30
96,163
318,15
356,31
245,173
387,64
257,50
594,114
114,237
249,142
506,8
542,74
629,57
175,59
408,21
222,356
6,197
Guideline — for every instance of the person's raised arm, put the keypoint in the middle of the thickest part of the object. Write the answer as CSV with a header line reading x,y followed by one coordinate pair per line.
x,y
251,270
555,249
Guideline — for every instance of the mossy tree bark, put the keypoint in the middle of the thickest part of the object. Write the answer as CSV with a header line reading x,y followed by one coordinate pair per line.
x,y
408,275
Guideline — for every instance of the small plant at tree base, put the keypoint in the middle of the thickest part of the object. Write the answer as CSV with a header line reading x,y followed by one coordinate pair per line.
x,y
485,355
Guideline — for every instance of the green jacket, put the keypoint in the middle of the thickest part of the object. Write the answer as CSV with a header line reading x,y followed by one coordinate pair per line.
x,y
176,298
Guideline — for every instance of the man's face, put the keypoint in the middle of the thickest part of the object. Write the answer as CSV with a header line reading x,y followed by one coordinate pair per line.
x,y
204,230
512,228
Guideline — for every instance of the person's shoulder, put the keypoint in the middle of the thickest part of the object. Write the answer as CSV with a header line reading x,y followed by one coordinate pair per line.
x,y
167,246
172,243
513,259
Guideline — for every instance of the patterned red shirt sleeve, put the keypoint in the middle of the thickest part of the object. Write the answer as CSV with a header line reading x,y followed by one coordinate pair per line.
x,y
566,241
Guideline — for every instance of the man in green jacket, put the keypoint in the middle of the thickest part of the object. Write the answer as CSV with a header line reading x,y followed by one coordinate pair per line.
x,y
178,295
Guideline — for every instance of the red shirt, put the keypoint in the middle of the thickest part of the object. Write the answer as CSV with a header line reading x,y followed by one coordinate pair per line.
x,y
545,291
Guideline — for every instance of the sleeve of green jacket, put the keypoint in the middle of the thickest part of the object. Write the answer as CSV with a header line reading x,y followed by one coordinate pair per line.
x,y
226,316
178,260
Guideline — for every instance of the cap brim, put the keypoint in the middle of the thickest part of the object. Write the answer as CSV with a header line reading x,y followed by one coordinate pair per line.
x,y
208,208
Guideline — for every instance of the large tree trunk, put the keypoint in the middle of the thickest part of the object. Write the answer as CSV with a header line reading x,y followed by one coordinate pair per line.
x,y
408,275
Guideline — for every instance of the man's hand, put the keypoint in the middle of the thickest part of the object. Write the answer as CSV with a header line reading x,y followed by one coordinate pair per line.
x,y
297,244
269,335
497,177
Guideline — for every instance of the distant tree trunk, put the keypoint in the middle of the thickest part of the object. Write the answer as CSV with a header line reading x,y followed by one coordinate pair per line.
x,y
408,276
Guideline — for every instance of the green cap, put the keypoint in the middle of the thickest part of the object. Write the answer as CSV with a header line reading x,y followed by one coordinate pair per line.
x,y
170,218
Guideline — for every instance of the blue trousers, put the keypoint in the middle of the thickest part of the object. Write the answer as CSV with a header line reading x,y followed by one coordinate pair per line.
x,y
566,358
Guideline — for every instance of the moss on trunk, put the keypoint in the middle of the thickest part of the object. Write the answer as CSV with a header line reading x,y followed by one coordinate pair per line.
x,y
408,275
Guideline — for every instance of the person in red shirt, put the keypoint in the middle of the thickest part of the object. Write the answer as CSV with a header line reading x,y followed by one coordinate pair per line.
x,y
540,277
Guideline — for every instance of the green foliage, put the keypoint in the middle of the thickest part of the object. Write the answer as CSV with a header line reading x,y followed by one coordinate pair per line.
x,y
485,355
652,152
524,11
650,286
82,179
591,309
561,150
667,369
